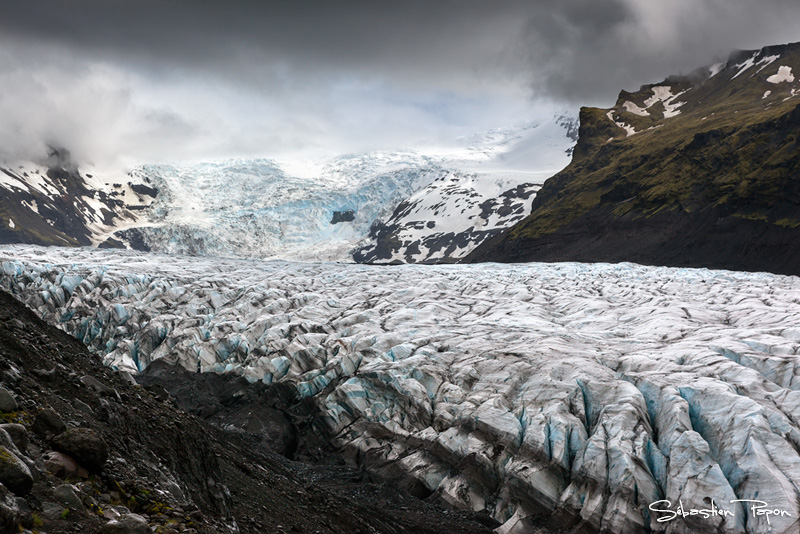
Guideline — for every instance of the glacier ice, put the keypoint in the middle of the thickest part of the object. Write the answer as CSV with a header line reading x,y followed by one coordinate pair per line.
x,y
319,210
264,208
253,208
578,392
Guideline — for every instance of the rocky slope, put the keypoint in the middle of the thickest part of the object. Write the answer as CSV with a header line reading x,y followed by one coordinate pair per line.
x,y
56,203
575,395
698,170
445,220
83,448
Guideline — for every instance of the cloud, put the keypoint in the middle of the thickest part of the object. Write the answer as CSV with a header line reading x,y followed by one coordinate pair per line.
x,y
588,50
202,79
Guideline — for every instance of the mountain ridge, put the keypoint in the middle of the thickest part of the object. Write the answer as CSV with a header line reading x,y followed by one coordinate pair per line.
x,y
54,202
699,170
281,209
448,218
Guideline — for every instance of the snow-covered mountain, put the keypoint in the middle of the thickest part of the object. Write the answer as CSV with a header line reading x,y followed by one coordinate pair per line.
x,y
438,203
494,181
54,203
322,210
584,393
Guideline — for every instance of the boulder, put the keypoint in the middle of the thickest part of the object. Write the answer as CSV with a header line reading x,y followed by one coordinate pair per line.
x,y
25,513
54,511
67,494
63,466
48,422
9,512
8,443
83,407
95,384
18,434
7,401
85,445
14,474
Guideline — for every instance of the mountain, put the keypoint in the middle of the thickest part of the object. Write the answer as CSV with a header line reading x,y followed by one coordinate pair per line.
x,y
571,396
56,203
327,210
334,209
495,181
698,170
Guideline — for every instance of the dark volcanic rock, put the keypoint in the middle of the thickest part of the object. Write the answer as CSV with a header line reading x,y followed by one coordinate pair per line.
x,y
142,189
18,434
9,512
48,422
14,474
134,237
7,401
85,445
66,494
126,524
228,401
62,466
343,216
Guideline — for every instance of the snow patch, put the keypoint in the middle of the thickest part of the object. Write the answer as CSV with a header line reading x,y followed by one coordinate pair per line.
x,y
715,69
11,223
784,74
743,66
766,94
766,62
9,182
663,94
633,108
32,205
629,130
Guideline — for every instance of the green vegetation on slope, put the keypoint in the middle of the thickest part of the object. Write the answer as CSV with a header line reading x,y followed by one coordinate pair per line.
x,y
728,148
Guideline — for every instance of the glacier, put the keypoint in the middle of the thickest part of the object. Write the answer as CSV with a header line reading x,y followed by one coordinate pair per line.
x,y
580,392
325,209
285,209
255,208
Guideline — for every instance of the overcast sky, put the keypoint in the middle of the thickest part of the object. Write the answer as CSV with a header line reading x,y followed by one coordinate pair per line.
x,y
151,80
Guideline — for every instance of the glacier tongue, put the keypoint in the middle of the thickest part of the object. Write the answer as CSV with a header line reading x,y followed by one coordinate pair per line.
x,y
584,393
263,208
252,208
